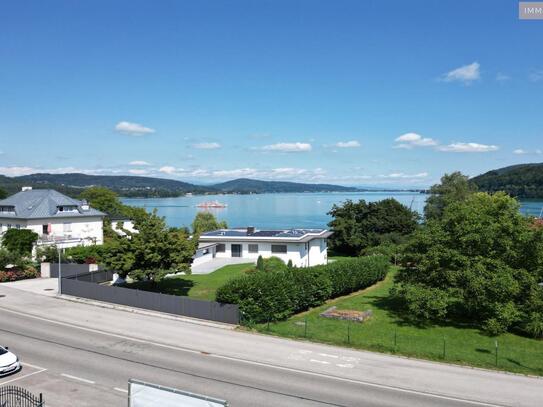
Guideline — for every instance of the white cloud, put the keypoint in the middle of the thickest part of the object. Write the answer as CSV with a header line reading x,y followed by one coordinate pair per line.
x,y
465,74
468,148
401,175
536,76
520,151
134,129
410,140
16,171
167,169
288,147
500,77
136,171
235,173
137,162
348,144
206,146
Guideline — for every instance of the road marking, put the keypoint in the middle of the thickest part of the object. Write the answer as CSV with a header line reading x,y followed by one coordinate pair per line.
x,y
121,390
326,355
80,379
324,362
345,365
255,363
32,366
22,377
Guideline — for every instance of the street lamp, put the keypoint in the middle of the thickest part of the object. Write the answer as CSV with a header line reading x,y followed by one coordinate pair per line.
x,y
59,273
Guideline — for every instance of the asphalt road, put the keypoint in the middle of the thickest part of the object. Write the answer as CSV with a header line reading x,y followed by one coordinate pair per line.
x,y
74,362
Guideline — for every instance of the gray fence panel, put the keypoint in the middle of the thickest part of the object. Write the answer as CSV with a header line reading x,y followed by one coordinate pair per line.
x,y
87,286
68,269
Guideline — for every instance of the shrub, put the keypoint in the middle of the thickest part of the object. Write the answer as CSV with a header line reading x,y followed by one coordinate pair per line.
x,y
15,275
277,295
19,241
85,254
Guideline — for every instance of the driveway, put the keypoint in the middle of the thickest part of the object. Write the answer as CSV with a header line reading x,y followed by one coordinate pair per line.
x,y
217,263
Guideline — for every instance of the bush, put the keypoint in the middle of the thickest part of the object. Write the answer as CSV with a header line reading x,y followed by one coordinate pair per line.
x,y
15,275
85,254
275,296
19,241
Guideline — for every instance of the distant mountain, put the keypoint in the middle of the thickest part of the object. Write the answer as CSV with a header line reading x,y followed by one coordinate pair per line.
x,y
247,186
135,186
522,181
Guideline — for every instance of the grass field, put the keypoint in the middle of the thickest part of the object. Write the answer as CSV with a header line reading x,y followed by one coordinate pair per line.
x,y
198,286
387,332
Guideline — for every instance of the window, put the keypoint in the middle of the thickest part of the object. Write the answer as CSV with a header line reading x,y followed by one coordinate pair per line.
x,y
279,248
45,229
9,226
253,248
17,226
67,227
221,248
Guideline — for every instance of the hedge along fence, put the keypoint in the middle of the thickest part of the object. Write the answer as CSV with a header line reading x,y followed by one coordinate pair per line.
x,y
273,296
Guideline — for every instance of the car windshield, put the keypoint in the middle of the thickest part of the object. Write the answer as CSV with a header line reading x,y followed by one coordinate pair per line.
x,y
2,351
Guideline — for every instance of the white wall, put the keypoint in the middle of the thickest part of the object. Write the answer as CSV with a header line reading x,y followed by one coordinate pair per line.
x,y
81,227
297,252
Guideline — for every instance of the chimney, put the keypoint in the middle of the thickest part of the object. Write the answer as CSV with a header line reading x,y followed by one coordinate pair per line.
x,y
84,206
26,189
250,230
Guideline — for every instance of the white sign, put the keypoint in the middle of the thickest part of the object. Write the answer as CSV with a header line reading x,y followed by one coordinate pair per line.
x,y
143,394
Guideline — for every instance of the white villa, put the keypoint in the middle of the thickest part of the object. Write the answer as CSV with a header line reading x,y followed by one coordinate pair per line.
x,y
56,218
305,247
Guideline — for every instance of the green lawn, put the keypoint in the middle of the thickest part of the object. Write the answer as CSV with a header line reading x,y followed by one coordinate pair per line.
x,y
387,332
198,286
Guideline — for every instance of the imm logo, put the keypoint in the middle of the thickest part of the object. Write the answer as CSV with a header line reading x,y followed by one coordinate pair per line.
x,y
530,10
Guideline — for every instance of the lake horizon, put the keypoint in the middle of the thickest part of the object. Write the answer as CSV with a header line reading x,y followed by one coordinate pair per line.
x,y
281,210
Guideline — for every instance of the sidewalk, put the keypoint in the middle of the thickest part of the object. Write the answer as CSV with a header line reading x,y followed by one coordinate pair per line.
x,y
42,286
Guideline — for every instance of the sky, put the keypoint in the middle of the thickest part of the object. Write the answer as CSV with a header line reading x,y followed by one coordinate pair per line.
x,y
393,93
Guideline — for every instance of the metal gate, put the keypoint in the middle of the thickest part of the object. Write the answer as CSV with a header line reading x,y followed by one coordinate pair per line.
x,y
13,396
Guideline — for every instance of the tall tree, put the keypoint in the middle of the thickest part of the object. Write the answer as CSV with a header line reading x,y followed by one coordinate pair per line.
x,y
152,252
481,261
104,200
454,187
360,225
206,222
3,194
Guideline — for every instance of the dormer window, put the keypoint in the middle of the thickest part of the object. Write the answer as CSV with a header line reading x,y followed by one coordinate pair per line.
x,y
7,209
67,208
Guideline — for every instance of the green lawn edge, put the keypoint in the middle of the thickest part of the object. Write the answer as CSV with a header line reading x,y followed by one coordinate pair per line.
x,y
386,333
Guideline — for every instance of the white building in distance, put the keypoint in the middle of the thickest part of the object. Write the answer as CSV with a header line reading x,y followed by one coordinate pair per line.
x,y
56,218
305,247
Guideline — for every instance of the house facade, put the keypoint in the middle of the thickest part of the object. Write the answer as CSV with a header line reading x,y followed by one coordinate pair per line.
x,y
56,218
304,247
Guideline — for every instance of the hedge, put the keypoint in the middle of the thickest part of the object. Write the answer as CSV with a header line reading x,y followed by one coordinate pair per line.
x,y
273,296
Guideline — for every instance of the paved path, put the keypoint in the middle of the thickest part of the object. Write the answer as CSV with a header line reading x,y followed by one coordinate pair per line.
x,y
90,352
217,263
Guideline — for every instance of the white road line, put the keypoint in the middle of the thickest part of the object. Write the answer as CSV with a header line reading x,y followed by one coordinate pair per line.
x,y
121,390
80,379
323,362
254,363
326,355
22,377
32,366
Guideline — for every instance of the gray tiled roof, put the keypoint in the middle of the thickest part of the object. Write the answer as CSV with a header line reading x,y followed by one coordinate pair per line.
x,y
44,203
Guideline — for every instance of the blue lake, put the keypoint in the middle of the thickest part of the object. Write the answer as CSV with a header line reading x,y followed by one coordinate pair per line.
x,y
296,210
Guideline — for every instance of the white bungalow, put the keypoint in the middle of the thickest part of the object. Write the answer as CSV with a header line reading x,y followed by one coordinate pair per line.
x,y
305,247
56,218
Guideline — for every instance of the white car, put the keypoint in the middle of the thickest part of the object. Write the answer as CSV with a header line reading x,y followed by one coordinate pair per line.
x,y
9,363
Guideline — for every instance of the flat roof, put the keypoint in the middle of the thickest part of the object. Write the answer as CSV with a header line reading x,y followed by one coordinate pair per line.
x,y
258,234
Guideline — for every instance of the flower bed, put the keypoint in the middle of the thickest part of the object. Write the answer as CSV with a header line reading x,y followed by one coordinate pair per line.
x,y
16,274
